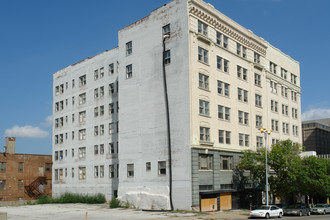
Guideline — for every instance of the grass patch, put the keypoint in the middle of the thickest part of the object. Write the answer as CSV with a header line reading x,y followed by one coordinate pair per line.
x,y
72,198
114,203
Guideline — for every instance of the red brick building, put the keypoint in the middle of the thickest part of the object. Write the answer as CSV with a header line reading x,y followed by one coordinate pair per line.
x,y
24,176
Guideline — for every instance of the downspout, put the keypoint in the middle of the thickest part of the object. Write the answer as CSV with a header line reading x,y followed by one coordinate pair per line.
x,y
168,124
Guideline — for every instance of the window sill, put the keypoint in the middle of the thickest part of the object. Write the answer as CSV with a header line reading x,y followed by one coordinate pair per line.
x,y
205,170
206,116
203,63
207,90
206,143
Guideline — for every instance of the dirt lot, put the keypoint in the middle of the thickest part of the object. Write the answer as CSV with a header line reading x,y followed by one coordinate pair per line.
x,y
102,212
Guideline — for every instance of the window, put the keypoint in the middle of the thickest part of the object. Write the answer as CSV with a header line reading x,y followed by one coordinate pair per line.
x,y
101,129
256,57
205,162
20,184
130,170
167,30
3,184
111,171
56,174
148,166
129,71
272,67
285,128
295,130
259,142
111,68
226,162
223,88
285,110
241,73
82,173
96,149
241,139
96,171
222,64
96,93
60,174
224,137
204,108
203,81
111,88
284,73
111,128
82,134
82,80
167,57
202,28
204,134
82,116
82,152
241,50
258,100
56,155
72,172
247,140
258,121
293,78
129,48
101,149
101,91
275,141
223,112
294,96
225,41
111,108
161,167
257,79
96,111
284,91
203,55
20,167
274,125
219,38
274,106
96,74
48,167
2,167
243,117
96,130
102,72
111,148
242,95
82,98
273,86
294,113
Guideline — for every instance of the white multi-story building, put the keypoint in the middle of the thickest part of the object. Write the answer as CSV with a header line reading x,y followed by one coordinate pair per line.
x,y
223,83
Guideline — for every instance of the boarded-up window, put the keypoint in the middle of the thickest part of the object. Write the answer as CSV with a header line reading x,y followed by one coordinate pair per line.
x,y
2,167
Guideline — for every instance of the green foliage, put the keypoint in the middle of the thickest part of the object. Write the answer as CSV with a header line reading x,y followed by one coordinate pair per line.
x,y
72,198
288,173
114,203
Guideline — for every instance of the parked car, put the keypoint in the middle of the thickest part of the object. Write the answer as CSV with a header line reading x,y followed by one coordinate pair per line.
x,y
297,209
320,209
267,212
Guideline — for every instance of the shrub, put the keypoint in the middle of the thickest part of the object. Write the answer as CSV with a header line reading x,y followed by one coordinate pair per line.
x,y
114,203
72,198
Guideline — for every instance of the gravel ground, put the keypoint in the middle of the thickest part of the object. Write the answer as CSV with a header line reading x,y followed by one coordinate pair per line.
x,y
102,212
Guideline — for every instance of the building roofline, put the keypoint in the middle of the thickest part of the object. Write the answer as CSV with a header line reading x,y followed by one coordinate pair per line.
x,y
28,154
86,59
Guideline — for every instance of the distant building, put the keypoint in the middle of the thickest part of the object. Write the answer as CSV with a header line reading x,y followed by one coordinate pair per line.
x,y
223,84
316,136
23,176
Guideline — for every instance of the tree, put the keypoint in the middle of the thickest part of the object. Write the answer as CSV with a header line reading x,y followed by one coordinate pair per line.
x,y
313,177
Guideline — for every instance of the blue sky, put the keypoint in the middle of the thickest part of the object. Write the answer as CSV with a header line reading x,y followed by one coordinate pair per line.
x,y
39,37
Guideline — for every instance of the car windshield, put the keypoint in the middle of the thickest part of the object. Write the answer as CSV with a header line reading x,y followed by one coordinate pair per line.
x,y
263,207
293,206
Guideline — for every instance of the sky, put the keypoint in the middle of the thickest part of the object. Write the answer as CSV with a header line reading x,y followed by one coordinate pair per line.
x,y
40,37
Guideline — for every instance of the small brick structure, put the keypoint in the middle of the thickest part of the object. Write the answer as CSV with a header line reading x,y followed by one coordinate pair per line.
x,y
24,176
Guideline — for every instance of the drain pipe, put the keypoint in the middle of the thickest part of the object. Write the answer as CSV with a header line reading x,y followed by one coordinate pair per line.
x,y
166,36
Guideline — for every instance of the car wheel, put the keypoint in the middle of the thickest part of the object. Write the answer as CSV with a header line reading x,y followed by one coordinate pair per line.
x,y
267,215
300,213
280,215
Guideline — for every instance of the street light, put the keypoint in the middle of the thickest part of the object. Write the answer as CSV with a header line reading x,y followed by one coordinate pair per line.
x,y
266,132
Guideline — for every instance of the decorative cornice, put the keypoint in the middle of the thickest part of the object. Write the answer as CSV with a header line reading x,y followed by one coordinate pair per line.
x,y
218,24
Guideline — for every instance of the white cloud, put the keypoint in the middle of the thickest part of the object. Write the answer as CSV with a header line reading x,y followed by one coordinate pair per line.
x,y
316,113
48,121
26,132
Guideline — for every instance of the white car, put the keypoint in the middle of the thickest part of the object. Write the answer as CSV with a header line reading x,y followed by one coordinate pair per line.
x,y
267,212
